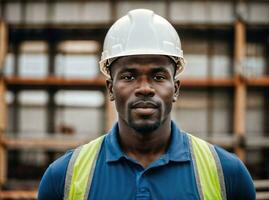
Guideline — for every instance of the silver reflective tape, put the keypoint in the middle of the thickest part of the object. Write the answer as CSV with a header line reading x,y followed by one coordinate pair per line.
x,y
86,194
69,172
220,172
197,178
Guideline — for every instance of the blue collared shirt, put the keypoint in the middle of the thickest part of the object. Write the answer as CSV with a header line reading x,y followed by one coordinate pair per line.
x,y
118,176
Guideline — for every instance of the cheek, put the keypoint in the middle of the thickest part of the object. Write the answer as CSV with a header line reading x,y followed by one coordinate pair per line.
x,y
121,95
167,94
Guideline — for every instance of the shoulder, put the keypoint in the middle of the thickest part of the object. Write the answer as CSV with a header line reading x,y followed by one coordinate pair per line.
x,y
52,182
238,182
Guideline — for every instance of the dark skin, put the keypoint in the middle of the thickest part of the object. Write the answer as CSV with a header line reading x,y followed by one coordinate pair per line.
x,y
144,90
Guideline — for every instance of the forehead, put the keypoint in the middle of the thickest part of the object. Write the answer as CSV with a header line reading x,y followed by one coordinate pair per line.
x,y
138,60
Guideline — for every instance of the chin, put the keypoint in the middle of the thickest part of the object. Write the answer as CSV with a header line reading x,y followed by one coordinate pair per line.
x,y
145,127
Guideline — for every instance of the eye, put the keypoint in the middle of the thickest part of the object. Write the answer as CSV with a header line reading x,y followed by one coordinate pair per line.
x,y
159,77
127,77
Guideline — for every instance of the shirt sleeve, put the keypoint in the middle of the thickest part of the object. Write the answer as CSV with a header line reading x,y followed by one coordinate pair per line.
x,y
52,183
238,182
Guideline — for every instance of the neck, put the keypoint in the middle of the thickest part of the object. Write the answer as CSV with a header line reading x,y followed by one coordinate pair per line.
x,y
145,147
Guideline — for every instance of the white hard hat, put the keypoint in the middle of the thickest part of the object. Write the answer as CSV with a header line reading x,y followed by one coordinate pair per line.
x,y
141,32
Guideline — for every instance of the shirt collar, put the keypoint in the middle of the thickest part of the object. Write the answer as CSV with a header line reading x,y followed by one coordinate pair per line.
x,y
178,150
113,149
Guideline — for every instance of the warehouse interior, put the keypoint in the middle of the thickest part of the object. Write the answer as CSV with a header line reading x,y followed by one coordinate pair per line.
x,y
53,97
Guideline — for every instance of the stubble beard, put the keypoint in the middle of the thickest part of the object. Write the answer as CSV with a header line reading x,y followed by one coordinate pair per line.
x,y
147,125
146,128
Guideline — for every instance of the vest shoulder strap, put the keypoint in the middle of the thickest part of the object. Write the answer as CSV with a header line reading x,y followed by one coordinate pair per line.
x,y
80,170
207,169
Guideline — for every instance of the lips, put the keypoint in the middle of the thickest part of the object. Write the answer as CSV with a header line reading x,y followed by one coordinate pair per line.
x,y
144,107
144,104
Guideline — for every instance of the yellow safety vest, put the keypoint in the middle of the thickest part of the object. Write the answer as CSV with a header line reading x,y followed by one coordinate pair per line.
x,y
207,169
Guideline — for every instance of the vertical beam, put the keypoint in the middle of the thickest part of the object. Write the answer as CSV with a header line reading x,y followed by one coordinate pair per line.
x,y
240,89
2,9
113,11
3,159
51,91
51,108
167,9
3,50
3,43
210,91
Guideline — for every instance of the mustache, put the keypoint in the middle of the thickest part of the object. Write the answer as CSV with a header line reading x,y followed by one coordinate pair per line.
x,y
144,103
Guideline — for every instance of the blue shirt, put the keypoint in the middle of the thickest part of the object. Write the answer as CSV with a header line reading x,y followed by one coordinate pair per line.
x,y
118,176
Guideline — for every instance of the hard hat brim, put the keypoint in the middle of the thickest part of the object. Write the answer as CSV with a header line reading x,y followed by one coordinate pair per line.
x,y
105,63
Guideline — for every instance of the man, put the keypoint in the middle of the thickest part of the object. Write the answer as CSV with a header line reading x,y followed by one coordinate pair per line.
x,y
145,155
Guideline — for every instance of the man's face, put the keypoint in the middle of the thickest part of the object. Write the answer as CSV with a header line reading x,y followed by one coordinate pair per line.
x,y
144,89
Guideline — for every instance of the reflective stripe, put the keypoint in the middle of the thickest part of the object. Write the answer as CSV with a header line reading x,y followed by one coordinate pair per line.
x,y
220,172
91,176
82,167
69,172
197,178
207,169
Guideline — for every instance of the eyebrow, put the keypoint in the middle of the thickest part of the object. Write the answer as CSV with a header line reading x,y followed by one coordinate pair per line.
x,y
133,69
128,69
160,69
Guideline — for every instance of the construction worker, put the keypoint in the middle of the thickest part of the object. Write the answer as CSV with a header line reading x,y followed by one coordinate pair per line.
x,y
145,155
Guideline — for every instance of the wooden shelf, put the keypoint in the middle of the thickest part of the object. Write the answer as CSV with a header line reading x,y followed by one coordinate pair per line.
x,y
257,142
18,194
14,82
52,143
31,82
56,26
105,26
61,143
262,188
207,82
261,184
258,81
262,196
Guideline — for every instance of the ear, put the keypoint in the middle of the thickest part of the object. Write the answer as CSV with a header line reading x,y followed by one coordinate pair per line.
x,y
176,93
109,86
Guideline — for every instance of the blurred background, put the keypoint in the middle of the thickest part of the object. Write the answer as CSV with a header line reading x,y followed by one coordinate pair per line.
x,y
53,97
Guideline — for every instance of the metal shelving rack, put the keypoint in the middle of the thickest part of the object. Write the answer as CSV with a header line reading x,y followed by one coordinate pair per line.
x,y
238,83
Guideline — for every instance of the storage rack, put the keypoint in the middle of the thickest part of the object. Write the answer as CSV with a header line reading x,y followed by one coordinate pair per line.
x,y
238,83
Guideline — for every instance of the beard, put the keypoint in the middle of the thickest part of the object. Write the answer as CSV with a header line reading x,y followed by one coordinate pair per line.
x,y
144,123
147,124
144,127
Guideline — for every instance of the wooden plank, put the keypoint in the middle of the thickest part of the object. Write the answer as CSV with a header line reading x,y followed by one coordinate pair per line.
x,y
258,81
3,43
105,26
262,184
3,164
55,81
3,107
208,82
3,50
262,196
3,122
18,194
52,143
240,90
257,143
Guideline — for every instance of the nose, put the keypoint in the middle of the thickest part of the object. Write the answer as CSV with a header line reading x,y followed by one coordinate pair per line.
x,y
144,88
